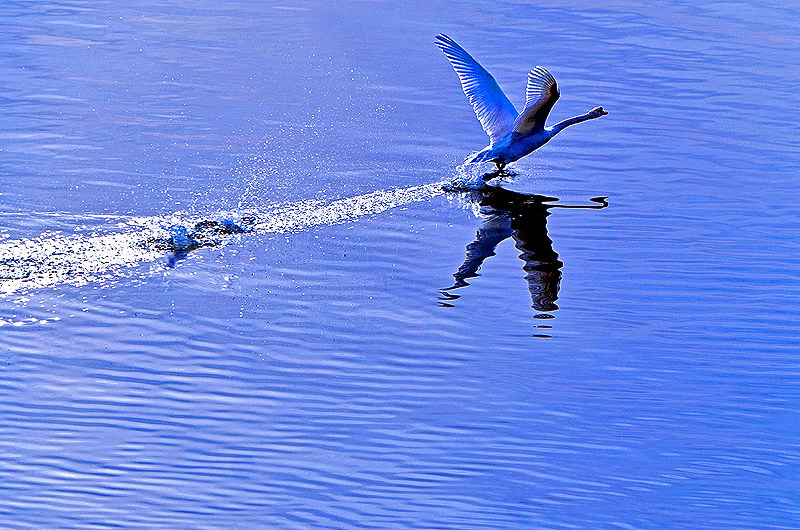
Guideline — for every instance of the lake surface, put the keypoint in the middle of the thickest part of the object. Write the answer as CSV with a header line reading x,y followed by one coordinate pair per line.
x,y
629,363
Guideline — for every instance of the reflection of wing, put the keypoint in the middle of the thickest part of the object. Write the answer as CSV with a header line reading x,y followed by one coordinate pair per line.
x,y
540,96
495,229
542,266
495,112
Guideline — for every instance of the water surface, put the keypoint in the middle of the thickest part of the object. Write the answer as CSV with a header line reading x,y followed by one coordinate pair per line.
x,y
377,353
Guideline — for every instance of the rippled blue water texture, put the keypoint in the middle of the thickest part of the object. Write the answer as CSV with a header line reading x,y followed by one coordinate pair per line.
x,y
368,351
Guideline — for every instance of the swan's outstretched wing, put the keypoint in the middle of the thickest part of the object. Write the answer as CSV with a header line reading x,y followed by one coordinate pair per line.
x,y
494,110
540,96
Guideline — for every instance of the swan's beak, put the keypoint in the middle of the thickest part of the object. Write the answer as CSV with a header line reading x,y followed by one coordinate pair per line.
x,y
602,111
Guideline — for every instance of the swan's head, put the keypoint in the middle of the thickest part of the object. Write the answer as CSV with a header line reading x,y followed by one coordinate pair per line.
x,y
597,112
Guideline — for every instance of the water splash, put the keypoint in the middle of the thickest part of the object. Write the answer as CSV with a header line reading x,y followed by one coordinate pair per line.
x,y
467,177
46,261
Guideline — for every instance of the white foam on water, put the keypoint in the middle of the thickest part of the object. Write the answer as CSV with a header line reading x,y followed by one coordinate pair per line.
x,y
45,261
299,216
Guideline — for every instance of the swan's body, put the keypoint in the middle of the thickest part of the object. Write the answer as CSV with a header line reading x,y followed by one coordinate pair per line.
x,y
512,135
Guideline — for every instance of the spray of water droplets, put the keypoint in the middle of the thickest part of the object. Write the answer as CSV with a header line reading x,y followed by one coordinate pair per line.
x,y
35,263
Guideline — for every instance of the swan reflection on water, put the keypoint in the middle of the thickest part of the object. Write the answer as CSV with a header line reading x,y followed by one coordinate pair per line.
x,y
522,217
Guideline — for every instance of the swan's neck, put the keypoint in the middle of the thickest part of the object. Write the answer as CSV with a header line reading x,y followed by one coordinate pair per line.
x,y
560,126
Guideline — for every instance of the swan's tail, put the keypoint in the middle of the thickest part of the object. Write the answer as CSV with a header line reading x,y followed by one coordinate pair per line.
x,y
481,156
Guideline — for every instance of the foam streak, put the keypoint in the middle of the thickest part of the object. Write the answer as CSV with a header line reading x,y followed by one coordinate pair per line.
x,y
27,264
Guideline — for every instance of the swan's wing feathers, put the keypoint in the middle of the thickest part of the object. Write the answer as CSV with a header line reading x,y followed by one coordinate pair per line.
x,y
495,112
540,96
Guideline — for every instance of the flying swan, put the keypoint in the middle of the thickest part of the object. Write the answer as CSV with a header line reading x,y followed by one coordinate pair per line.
x,y
512,135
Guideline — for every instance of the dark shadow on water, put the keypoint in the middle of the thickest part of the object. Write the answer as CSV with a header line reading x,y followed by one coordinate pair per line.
x,y
499,173
202,234
522,217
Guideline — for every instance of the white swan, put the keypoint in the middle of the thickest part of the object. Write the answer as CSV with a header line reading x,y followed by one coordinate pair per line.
x,y
512,135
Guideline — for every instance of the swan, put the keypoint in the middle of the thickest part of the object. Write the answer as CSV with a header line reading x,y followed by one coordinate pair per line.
x,y
512,135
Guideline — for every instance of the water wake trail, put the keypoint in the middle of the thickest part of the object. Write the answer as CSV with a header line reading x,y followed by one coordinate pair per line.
x,y
46,261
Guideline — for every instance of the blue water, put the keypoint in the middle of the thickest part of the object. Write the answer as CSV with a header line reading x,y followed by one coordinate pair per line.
x,y
632,363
